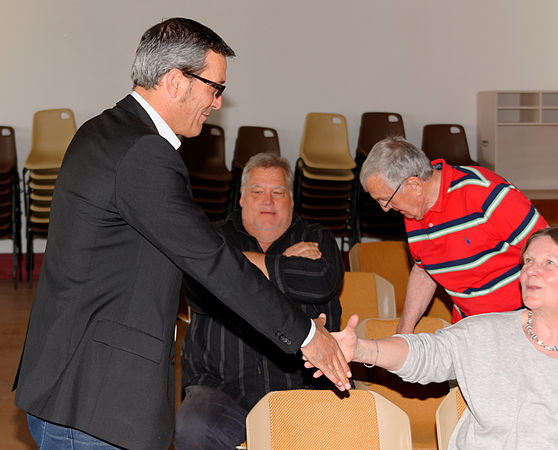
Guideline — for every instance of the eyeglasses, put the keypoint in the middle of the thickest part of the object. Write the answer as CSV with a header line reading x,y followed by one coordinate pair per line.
x,y
219,88
385,205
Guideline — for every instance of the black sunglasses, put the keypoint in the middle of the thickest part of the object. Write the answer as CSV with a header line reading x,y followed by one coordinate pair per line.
x,y
219,88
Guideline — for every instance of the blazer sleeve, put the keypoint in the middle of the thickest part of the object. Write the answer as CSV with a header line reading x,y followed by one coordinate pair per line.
x,y
152,194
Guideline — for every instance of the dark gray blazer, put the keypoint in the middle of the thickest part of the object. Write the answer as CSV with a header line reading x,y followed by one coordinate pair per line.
x,y
123,226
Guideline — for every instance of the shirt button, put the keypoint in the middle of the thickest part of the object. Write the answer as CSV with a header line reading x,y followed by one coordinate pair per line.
x,y
431,225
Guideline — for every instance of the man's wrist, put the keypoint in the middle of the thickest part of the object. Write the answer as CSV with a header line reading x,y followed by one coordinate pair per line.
x,y
311,334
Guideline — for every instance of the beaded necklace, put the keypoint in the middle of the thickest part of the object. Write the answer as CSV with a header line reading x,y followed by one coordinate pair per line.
x,y
529,328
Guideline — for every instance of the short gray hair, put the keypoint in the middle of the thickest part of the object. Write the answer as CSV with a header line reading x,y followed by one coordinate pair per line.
x,y
267,161
395,159
175,43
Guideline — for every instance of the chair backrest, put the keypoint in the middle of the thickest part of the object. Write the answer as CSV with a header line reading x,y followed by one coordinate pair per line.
x,y
53,129
325,142
8,154
448,413
375,126
366,294
392,260
204,155
316,419
253,140
418,401
389,259
447,141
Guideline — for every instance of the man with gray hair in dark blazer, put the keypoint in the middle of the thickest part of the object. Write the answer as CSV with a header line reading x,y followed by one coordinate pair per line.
x,y
97,364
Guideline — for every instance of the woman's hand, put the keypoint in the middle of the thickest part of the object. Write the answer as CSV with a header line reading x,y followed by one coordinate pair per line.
x,y
347,340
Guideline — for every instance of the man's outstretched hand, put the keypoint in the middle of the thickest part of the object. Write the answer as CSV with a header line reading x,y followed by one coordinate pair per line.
x,y
324,354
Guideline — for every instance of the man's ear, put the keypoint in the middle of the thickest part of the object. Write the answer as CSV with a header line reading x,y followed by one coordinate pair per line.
x,y
416,184
173,82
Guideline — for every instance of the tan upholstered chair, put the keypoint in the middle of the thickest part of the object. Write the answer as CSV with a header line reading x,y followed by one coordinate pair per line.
x,y
368,295
391,260
418,401
447,415
313,419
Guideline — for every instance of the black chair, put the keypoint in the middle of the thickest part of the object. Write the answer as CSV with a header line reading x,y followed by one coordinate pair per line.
x,y
10,198
204,156
250,141
447,141
371,220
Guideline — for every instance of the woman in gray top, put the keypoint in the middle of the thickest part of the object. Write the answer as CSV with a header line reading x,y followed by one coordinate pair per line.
x,y
506,364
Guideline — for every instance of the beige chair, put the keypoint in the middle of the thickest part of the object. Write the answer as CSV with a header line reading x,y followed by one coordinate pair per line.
x,y
368,295
391,260
419,401
314,419
325,142
324,176
53,130
447,415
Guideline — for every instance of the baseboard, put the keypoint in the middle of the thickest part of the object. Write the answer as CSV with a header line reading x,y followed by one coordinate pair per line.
x,y
6,272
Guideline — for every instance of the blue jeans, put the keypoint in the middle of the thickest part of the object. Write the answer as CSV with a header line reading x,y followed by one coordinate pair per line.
x,y
49,436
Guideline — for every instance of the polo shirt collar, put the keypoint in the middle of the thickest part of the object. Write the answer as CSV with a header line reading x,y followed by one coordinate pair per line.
x,y
440,164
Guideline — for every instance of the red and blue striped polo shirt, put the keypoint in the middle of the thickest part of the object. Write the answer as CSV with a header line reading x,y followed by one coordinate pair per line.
x,y
470,240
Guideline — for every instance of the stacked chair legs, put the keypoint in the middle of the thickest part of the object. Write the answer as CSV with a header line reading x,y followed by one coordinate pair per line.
x,y
324,176
10,209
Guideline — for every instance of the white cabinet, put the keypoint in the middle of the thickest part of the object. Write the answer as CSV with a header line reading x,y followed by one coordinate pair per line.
x,y
518,136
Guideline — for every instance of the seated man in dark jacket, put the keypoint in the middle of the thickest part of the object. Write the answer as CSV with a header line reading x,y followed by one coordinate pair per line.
x,y
227,365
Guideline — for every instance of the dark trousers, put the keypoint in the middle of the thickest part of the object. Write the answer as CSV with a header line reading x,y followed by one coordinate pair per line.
x,y
209,419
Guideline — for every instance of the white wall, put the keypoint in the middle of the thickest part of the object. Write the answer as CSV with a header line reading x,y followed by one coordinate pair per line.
x,y
425,59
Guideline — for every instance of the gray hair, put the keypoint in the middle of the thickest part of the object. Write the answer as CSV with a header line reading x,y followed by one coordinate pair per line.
x,y
266,161
175,43
395,159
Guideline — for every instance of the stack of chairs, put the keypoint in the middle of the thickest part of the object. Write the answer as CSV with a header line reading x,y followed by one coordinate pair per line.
x,y
53,129
371,220
447,141
324,175
204,156
10,209
250,141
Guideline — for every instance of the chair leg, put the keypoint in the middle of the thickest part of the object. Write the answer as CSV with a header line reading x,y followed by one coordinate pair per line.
x,y
14,261
29,258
